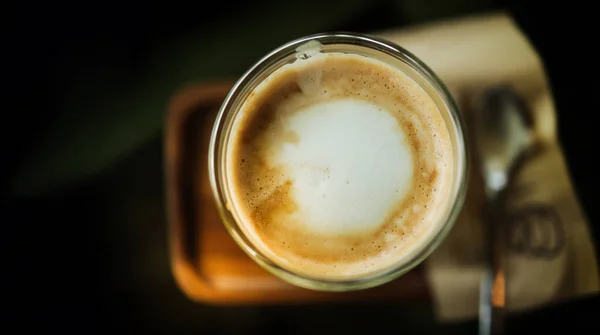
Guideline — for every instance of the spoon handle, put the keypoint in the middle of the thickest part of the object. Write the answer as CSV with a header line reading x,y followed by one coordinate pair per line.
x,y
493,287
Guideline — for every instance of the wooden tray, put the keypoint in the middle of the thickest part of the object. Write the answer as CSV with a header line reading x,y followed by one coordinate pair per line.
x,y
207,264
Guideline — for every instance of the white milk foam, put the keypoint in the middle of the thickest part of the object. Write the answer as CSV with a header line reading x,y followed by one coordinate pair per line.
x,y
353,165
339,167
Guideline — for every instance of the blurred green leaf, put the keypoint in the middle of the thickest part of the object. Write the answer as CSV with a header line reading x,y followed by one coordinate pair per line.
x,y
109,117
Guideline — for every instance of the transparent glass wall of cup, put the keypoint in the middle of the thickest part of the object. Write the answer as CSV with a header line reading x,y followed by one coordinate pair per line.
x,y
350,43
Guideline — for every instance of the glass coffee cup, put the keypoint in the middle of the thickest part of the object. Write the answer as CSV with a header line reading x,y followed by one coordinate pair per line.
x,y
314,86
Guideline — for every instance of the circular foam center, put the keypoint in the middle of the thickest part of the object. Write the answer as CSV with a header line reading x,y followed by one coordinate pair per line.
x,y
348,167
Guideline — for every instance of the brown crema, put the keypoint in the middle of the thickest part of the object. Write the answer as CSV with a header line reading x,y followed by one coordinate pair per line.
x,y
261,188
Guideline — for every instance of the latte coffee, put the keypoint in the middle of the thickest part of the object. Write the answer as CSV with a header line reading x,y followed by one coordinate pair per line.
x,y
340,166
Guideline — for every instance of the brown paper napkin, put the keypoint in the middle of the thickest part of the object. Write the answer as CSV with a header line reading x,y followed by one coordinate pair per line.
x,y
551,256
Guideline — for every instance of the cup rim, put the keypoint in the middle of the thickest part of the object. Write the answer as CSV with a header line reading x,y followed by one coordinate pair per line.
x,y
216,149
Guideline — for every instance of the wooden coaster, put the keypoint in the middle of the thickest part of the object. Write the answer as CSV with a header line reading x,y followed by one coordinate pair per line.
x,y
207,264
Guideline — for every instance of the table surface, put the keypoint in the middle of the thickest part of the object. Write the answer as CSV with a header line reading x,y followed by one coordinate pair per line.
x,y
105,262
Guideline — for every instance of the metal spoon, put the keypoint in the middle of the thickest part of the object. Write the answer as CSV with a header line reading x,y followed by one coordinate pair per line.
x,y
502,134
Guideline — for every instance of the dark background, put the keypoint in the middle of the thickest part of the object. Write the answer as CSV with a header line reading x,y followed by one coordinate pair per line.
x,y
85,88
